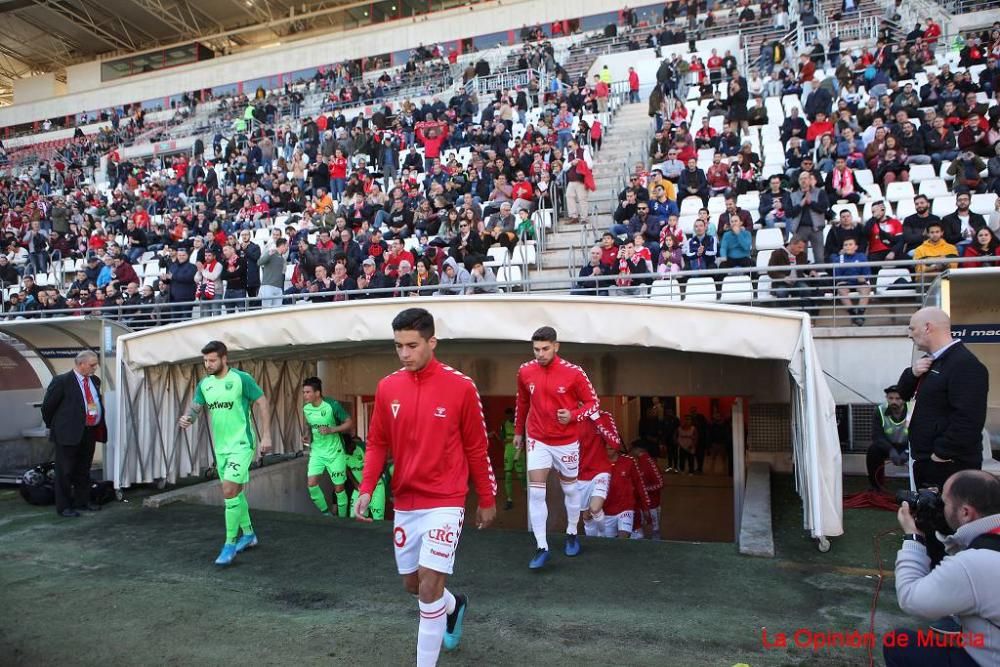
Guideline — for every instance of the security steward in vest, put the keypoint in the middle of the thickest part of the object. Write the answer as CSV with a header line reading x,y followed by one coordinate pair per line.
x,y
890,437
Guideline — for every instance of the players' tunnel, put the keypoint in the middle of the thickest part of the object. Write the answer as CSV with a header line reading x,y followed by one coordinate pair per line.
x,y
631,349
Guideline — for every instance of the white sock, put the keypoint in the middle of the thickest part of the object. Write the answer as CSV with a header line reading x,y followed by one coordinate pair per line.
x,y
591,528
449,601
539,512
571,494
433,623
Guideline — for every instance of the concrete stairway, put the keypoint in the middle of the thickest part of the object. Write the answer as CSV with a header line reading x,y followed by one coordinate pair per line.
x,y
625,136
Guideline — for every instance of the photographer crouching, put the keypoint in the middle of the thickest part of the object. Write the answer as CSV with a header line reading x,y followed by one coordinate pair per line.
x,y
965,584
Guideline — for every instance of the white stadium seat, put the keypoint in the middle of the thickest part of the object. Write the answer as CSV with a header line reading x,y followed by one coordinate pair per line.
x,y
898,190
736,289
769,238
700,289
665,290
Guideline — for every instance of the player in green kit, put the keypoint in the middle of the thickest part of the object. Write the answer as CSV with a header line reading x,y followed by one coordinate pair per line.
x,y
356,465
513,459
326,420
228,395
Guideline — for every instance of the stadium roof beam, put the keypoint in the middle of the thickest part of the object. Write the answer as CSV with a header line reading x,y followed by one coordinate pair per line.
x,y
82,19
183,17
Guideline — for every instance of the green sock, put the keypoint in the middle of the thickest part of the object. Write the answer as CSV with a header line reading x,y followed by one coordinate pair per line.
x,y
508,483
342,504
245,524
318,497
234,513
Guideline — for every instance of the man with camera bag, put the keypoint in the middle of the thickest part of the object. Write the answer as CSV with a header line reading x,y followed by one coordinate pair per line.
x,y
964,584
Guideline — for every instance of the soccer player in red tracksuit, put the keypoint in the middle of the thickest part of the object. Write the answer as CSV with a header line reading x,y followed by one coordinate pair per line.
x,y
430,418
653,481
553,395
626,496
596,435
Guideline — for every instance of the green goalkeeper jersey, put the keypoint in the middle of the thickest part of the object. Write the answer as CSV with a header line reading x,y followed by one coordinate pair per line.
x,y
228,400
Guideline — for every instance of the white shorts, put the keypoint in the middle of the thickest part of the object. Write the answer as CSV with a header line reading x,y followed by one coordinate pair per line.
x,y
614,524
427,538
564,458
597,487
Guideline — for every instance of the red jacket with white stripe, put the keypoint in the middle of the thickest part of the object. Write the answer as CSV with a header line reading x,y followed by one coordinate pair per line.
x,y
431,421
627,492
651,477
543,390
596,434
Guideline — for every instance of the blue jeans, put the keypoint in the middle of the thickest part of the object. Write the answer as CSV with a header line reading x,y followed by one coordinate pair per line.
x,y
236,306
337,187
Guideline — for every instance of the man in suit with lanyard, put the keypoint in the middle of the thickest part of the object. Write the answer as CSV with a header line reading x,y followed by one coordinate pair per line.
x,y
73,410
949,387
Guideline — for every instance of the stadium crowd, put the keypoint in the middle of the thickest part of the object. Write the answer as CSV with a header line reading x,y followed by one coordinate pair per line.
x,y
838,171
300,208
421,196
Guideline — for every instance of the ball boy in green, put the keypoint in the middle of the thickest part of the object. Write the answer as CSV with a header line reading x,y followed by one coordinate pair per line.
x,y
356,466
229,395
513,459
326,420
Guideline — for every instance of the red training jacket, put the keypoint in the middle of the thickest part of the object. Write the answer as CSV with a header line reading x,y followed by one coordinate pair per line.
x,y
432,422
596,433
652,480
547,389
627,492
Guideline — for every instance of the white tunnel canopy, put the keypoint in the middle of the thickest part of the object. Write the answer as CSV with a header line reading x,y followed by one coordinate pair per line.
x,y
290,335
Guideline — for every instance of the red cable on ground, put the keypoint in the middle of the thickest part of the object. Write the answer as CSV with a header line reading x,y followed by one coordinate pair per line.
x,y
871,499
878,589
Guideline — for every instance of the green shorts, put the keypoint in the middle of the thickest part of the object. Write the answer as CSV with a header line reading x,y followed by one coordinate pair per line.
x,y
335,465
513,460
234,466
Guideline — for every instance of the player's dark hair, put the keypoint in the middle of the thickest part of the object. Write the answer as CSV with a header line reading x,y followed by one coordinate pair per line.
x,y
544,335
315,383
415,319
977,489
216,346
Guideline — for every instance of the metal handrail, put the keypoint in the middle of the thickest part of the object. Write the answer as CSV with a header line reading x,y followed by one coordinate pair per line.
x,y
819,291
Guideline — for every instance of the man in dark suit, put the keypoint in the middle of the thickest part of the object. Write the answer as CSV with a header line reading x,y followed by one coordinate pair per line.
x,y
73,410
950,387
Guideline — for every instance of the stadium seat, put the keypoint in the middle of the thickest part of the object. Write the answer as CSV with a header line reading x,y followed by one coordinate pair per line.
x,y
524,254
510,274
983,204
886,280
736,289
933,187
898,190
943,171
763,257
921,172
904,208
764,288
543,217
665,290
686,223
700,289
498,254
864,177
769,239
942,206
716,206
691,206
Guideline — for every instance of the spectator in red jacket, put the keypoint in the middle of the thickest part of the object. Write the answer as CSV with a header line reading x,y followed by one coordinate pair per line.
x,y
633,85
522,193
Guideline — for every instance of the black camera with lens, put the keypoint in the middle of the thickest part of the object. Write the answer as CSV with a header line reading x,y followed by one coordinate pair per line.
x,y
927,508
